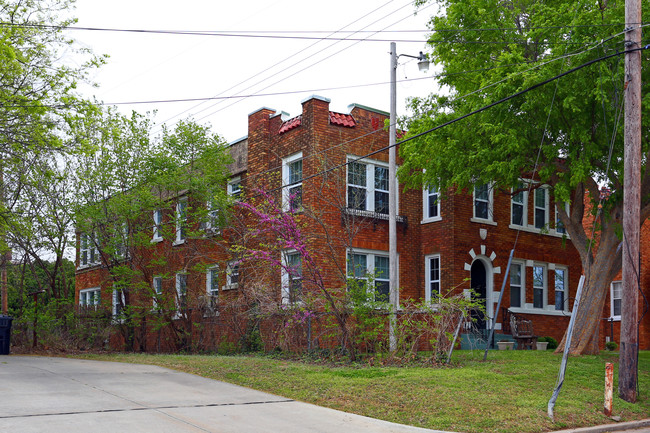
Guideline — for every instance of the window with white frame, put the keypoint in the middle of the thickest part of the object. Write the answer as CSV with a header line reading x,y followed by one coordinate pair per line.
x,y
119,302
431,204
234,188
516,285
181,221
90,297
232,275
291,277
122,239
212,281
181,291
616,298
367,186
559,225
432,278
88,251
541,208
483,202
518,205
211,224
292,181
365,265
561,285
157,225
539,286
157,291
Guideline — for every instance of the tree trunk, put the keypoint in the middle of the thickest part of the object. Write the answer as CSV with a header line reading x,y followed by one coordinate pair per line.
x,y
598,276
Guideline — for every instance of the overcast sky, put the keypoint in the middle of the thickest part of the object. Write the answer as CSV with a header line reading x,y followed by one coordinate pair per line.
x,y
154,67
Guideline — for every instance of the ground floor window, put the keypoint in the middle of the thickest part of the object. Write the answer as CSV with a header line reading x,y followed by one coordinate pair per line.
x,y
89,297
432,277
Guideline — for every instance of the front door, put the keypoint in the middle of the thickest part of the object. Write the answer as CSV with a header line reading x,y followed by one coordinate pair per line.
x,y
479,286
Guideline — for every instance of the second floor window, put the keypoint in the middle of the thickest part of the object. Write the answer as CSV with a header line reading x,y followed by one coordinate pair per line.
x,y
483,202
234,188
181,220
431,203
541,208
89,297
292,179
157,225
367,186
88,252
518,206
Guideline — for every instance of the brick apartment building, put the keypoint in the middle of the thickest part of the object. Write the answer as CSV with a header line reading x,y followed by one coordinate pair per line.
x,y
444,245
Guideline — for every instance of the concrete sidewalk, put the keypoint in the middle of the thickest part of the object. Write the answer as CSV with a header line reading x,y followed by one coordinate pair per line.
x,y
40,394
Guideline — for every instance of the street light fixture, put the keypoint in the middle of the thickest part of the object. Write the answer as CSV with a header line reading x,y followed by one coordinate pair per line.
x,y
423,66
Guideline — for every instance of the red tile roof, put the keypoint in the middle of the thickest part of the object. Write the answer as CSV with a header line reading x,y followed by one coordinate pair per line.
x,y
290,124
342,119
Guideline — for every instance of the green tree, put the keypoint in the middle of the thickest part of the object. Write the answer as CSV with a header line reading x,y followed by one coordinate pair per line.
x,y
121,180
562,131
38,81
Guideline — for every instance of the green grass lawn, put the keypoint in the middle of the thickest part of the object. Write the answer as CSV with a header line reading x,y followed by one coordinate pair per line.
x,y
509,393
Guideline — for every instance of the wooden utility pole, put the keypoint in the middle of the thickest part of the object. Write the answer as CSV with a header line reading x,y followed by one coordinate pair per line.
x,y
628,358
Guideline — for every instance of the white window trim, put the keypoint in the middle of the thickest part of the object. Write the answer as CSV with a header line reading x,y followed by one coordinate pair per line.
x,y
425,206
155,292
522,284
547,204
178,292
544,286
557,218
427,276
180,220
286,162
114,304
370,263
530,228
157,226
91,246
211,218
96,291
524,218
490,218
370,182
229,284
565,307
236,193
611,300
286,283
210,291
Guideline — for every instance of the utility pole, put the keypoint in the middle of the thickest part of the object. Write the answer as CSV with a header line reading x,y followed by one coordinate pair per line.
x,y
628,358
392,202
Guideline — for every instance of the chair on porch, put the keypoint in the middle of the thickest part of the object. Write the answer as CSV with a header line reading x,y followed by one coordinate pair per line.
x,y
522,332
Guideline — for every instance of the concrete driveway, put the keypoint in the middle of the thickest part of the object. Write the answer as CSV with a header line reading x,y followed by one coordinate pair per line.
x,y
40,394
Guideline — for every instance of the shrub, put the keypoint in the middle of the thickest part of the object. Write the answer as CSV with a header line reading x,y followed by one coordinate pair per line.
x,y
552,342
611,346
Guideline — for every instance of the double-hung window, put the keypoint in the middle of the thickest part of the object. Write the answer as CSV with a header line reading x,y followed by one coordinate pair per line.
x,y
432,269
232,275
559,225
181,291
561,276
88,252
181,221
541,208
483,202
89,297
292,278
212,217
234,188
519,206
119,302
367,186
292,182
362,266
157,291
212,285
616,298
157,225
431,204
539,286
516,285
